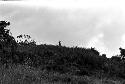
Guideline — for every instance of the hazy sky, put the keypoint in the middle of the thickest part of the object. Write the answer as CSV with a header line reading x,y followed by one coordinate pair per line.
x,y
96,23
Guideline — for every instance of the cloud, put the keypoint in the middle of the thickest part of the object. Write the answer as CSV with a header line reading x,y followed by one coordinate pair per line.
x,y
50,24
87,26
123,41
97,42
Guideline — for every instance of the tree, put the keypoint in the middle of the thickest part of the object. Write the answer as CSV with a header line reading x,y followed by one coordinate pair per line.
x,y
122,52
25,40
7,41
94,51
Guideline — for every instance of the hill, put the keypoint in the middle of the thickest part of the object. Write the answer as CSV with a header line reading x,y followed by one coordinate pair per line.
x,y
55,63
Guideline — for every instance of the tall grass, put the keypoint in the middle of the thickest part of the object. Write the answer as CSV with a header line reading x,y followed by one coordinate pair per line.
x,y
22,74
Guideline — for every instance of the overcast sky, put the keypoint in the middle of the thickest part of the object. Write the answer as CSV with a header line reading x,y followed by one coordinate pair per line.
x,y
96,23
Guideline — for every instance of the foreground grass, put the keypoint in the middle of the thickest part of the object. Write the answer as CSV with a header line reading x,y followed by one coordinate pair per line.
x,y
22,74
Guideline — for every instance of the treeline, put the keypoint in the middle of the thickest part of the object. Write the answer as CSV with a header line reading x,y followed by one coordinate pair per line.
x,y
62,59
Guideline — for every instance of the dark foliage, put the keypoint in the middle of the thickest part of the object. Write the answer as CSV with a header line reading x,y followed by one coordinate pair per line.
x,y
75,60
8,44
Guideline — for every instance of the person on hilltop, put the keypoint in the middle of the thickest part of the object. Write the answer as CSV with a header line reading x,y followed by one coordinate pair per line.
x,y
59,43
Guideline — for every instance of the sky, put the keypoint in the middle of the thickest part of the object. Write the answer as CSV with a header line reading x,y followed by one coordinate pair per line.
x,y
83,23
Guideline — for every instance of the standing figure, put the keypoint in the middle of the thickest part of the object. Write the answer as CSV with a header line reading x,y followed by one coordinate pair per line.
x,y
59,43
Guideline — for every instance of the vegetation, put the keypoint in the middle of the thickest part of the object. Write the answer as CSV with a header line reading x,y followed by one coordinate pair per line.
x,y
37,64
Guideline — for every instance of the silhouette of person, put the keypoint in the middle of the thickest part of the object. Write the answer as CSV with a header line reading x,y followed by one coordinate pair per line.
x,y
59,43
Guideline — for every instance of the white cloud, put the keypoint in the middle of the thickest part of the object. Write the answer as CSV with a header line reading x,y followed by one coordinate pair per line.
x,y
97,42
94,40
70,4
123,41
100,23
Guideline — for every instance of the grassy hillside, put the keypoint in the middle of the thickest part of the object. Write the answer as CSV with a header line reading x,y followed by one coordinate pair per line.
x,y
66,65
25,62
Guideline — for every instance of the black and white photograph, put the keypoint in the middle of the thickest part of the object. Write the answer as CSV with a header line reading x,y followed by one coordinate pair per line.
x,y
62,42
